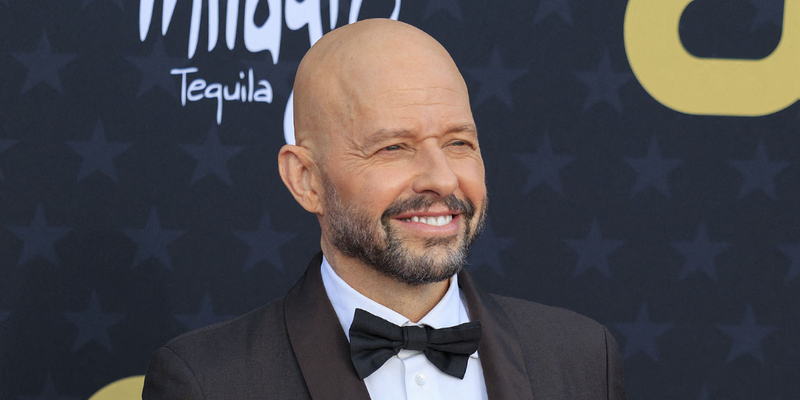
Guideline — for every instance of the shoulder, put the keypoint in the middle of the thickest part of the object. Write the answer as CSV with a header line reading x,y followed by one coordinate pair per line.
x,y
567,355
241,358
549,327
532,312
259,330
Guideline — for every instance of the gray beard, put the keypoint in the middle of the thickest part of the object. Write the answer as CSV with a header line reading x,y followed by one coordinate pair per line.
x,y
354,233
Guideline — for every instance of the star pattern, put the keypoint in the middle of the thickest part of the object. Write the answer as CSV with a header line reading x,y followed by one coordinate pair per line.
x,y
593,251
451,6
759,173
641,334
747,336
93,324
152,241
43,65
98,154
544,167
5,144
767,11
604,84
212,157
265,244
49,392
155,70
700,254
652,170
39,239
494,81
793,252
487,250
550,7
703,393
204,317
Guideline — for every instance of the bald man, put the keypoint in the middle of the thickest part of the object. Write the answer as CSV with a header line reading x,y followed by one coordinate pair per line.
x,y
387,157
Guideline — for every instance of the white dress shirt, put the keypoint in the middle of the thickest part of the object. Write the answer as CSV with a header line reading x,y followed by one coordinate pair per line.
x,y
409,375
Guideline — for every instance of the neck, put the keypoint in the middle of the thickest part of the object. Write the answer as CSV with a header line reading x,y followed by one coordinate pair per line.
x,y
410,301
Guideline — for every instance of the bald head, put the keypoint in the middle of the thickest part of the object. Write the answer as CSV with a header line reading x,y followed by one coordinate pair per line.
x,y
349,67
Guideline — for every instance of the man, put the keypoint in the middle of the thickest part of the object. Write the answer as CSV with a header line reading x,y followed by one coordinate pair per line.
x,y
387,157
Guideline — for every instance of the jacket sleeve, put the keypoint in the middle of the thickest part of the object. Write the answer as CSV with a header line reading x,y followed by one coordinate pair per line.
x,y
615,382
169,377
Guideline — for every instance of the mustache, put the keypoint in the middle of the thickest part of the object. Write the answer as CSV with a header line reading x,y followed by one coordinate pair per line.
x,y
422,203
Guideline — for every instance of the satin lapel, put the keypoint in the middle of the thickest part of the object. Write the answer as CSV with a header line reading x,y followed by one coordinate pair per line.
x,y
499,351
318,340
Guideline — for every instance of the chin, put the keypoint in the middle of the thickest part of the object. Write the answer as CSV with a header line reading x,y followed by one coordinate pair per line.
x,y
423,266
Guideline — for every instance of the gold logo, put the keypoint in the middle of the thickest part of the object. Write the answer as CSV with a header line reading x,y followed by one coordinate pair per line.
x,y
709,86
124,389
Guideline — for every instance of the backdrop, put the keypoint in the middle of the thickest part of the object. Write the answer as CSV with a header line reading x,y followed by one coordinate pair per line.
x,y
642,160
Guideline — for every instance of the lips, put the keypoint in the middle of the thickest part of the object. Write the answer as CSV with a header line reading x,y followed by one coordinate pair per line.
x,y
426,211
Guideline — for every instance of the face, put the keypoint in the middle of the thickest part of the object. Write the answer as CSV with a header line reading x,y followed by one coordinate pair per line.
x,y
404,188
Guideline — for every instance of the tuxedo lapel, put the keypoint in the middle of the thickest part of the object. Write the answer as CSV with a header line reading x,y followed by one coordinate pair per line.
x,y
499,351
318,341
323,353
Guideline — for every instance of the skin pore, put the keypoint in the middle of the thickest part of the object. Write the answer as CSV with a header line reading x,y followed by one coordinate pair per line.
x,y
387,154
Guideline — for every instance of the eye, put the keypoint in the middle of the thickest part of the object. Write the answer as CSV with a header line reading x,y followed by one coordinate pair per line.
x,y
392,151
461,144
393,147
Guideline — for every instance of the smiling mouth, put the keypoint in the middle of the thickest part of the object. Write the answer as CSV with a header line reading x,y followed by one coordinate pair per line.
x,y
433,221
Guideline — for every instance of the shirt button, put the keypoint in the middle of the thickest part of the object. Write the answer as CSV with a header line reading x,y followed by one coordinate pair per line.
x,y
419,378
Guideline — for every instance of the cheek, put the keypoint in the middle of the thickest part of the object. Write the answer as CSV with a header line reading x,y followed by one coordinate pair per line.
x,y
382,188
471,178
372,189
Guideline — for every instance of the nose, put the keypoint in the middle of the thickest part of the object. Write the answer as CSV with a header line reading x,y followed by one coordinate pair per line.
x,y
434,173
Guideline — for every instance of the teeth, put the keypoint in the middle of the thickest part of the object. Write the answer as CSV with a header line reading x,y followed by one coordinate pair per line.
x,y
433,221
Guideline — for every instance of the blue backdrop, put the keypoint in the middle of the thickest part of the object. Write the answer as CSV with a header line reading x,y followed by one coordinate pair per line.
x,y
140,198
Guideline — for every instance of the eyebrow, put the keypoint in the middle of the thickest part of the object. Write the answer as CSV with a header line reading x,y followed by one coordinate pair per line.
x,y
385,134
465,128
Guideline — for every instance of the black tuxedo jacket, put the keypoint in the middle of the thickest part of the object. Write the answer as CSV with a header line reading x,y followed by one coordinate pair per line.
x,y
295,348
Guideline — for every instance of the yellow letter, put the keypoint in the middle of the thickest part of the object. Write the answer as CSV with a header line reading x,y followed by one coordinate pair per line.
x,y
709,86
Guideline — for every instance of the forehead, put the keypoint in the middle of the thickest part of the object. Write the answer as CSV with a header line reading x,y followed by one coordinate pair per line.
x,y
410,114
408,86
407,101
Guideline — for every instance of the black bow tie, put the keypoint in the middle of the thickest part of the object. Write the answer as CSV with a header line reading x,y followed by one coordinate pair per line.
x,y
373,340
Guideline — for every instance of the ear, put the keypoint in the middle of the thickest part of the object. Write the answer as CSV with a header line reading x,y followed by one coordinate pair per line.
x,y
298,172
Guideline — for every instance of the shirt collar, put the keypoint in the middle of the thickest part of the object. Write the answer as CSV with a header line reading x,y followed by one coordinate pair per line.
x,y
448,312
